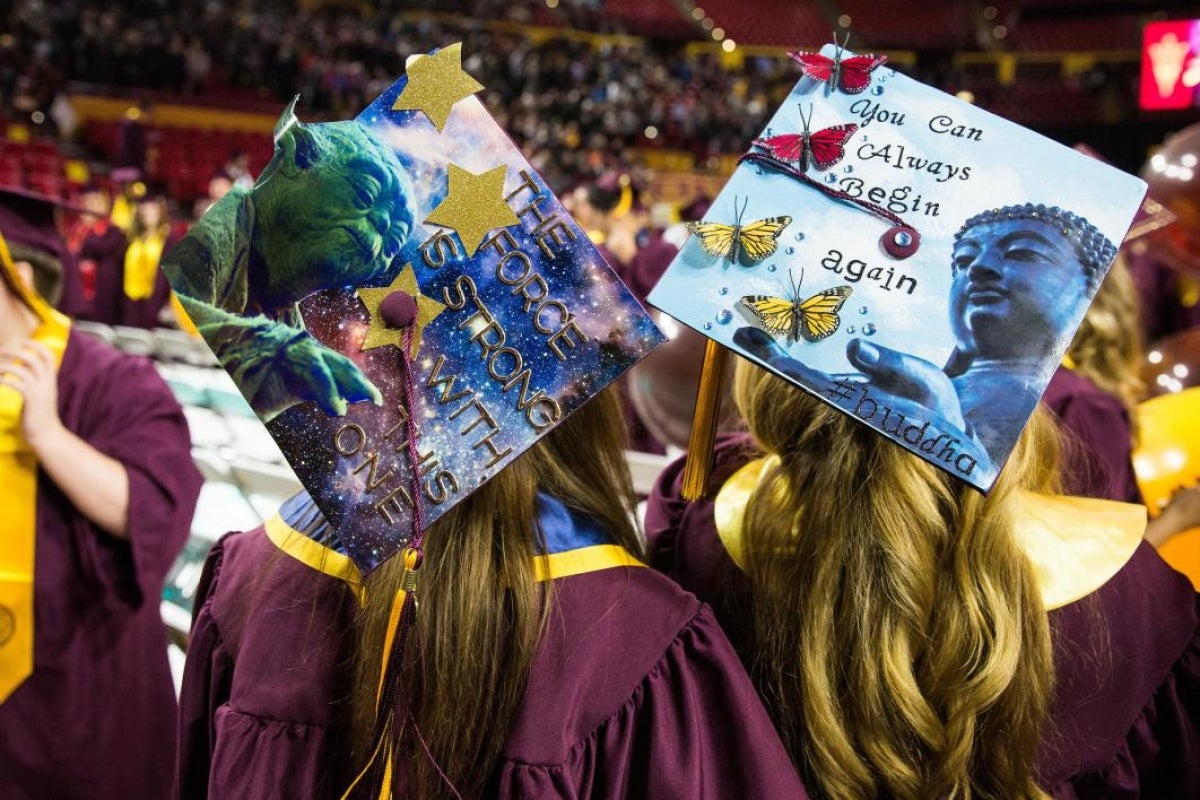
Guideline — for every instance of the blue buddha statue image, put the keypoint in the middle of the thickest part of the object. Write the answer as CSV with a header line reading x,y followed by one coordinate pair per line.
x,y
1023,276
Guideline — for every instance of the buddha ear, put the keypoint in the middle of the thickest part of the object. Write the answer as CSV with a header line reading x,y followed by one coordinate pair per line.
x,y
294,140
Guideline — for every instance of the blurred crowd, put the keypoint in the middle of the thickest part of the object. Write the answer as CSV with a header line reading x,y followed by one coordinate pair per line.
x,y
583,99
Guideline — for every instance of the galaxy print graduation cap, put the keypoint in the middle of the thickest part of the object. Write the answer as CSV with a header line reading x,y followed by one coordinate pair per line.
x,y
405,304
907,257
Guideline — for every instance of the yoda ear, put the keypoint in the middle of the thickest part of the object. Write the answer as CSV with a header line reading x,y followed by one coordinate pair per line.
x,y
287,119
294,138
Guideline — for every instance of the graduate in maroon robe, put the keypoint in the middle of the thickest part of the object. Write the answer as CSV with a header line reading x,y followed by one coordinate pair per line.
x,y
512,646
98,493
1125,717
144,288
93,280
634,692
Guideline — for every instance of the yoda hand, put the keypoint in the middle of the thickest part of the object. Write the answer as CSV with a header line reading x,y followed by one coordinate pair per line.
x,y
278,366
308,370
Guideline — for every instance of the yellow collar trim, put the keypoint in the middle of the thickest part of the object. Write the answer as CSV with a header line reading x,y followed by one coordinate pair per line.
x,y
313,554
578,562
1076,544
337,565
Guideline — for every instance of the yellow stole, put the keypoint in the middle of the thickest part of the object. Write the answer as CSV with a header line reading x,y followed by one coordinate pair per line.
x,y
18,519
141,265
1076,544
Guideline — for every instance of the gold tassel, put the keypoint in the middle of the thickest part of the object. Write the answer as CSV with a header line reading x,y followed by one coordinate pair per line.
x,y
377,772
704,422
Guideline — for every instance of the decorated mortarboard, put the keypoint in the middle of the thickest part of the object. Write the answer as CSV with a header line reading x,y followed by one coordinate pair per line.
x,y
405,304
913,260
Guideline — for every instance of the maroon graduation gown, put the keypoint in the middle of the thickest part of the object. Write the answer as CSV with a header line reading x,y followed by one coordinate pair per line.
x,y
1097,439
634,692
96,719
1161,303
93,288
1125,722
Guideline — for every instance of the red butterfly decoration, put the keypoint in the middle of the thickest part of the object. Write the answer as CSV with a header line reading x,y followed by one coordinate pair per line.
x,y
852,75
824,148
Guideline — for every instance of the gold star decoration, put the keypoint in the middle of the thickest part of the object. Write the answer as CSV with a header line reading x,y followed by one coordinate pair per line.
x,y
379,334
474,205
435,84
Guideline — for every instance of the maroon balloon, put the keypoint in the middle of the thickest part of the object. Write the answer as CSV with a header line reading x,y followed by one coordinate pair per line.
x,y
1173,364
1173,175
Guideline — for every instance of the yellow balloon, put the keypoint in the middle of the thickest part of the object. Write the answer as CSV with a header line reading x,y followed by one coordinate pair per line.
x,y
1167,458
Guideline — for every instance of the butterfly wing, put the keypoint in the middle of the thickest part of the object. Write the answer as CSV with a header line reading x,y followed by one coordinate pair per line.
x,y
818,314
854,73
828,146
786,146
814,65
758,239
774,313
716,238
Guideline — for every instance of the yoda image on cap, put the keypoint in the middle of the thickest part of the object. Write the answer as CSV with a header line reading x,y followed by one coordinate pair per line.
x,y
330,211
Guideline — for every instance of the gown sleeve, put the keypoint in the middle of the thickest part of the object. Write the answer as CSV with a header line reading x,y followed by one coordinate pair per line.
x,y
1160,755
694,728
133,417
263,707
1126,718
206,684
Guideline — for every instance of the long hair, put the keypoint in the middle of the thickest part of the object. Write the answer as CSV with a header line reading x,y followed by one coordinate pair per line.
x,y
482,610
1107,349
900,641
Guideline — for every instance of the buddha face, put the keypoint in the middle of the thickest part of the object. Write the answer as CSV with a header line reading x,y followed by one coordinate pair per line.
x,y
1018,285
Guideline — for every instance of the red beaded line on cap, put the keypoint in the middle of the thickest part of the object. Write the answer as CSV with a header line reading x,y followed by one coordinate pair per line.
x,y
900,241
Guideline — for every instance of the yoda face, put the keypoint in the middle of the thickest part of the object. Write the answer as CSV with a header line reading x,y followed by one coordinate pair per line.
x,y
332,209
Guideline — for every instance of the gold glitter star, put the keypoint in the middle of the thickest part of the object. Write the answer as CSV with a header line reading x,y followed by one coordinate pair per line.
x,y
474,205
435,84
379,334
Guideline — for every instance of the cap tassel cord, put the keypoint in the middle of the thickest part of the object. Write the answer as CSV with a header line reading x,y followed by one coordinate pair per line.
x,y
704,424
374,781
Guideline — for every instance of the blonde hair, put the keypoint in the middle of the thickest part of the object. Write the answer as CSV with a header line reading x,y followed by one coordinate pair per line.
x,y
482,610
900,640
1107,348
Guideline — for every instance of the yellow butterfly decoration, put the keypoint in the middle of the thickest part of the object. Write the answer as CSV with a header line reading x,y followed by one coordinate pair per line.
x,y
752,242
813,319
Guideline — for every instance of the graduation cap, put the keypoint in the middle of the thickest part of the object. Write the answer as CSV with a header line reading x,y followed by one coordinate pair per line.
x,y
405,305
909,258
29,226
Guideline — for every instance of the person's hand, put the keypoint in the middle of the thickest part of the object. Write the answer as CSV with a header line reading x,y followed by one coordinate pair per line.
x,y
1182,513
908,377
311,371
29,369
